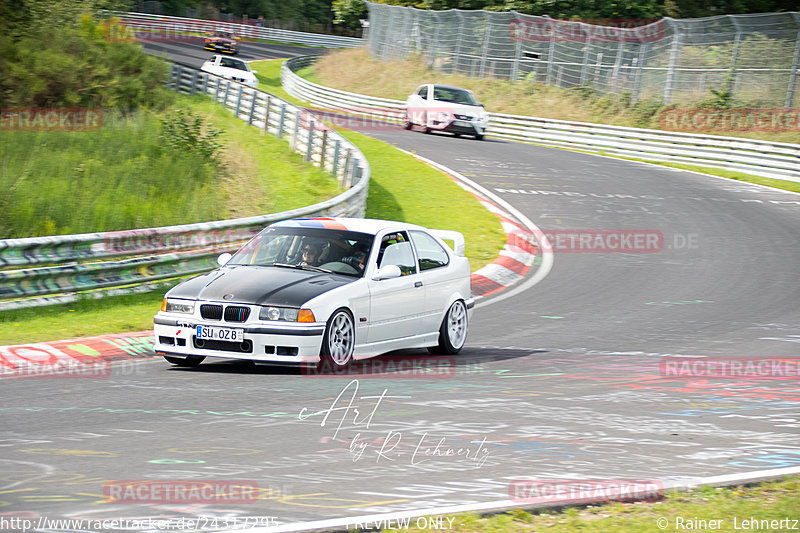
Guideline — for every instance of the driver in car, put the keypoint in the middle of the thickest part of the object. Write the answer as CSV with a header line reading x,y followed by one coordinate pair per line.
x,y
310,254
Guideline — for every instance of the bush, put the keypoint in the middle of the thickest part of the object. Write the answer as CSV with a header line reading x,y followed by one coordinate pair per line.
x,y
79,66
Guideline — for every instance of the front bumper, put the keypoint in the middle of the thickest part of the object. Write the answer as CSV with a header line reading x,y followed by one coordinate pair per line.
x,y
275,342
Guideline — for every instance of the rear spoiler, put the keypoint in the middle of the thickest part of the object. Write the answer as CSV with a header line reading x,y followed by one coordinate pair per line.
x,y
450,235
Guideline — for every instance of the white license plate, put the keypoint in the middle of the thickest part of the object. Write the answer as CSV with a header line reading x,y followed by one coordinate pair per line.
x,y
220,334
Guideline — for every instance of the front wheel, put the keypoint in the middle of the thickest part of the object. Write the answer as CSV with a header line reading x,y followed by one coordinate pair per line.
x,y
407,125
453,331
189,360
479,137
339,341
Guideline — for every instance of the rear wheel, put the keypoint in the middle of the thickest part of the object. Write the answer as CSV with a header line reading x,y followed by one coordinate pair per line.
x,y
339,341
189,360
479,137
407,125
453,331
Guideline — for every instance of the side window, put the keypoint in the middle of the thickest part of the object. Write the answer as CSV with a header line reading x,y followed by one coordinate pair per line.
x,y
396,250
423,92
430,253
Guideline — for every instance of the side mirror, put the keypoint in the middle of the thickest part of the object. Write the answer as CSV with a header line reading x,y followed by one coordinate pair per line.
x,y
223,258
387,272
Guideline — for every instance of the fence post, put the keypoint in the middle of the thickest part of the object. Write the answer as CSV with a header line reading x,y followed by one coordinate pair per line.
x,y
457,51
551,57
618,63
639,71
297,120
336,148
586,54
281,121
205,83
347,160
795,66
517,53
324,149
238,101
193,90
266,114
673,60
310,143
486,37
227,90
216,89
252,108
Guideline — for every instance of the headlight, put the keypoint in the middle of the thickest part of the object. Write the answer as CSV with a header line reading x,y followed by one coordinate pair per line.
x,y
288,314
171,305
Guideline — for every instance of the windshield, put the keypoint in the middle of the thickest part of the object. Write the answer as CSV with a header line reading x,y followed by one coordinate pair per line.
x,y
317,249
233,63
454,95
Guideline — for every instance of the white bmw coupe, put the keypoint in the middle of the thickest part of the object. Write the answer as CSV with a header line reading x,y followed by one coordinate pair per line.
x,y
326,290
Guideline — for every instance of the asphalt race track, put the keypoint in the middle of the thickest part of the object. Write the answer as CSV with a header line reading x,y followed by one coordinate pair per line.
x,y
575,377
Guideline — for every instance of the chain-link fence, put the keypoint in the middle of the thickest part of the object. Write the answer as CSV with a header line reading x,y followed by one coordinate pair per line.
x,y
752,59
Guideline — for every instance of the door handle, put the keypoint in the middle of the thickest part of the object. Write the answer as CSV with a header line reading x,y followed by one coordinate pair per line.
x,y
418,284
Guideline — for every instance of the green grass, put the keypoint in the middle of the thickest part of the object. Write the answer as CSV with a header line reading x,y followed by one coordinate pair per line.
x,y
774,500
121,176
84,318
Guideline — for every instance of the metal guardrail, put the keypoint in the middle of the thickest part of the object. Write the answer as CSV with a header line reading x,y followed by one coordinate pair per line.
x,y
174,27
34,269
760,158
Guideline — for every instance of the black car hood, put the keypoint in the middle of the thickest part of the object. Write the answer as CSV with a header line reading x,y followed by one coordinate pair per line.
x,y
260,285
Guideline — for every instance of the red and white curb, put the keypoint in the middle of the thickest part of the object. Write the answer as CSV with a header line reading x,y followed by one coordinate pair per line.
x,y
518,256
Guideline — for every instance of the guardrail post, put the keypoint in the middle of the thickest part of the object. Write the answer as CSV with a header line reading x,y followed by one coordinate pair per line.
x,y
310,142
266,114
336,148
205,83
297,120
347,161
238,101
281,121
217,83
193,90
324,149
252,108
227,90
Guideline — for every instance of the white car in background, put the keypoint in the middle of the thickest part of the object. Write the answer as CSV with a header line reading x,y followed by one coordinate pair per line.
x,y
445,108
323,290
231,69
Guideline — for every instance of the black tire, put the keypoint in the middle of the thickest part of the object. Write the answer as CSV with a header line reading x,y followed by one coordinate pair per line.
x,y
407,125
189,360
339,341
453,331
479,137
456,134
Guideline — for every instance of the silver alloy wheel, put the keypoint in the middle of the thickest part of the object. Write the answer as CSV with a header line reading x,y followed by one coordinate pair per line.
x,y
341,338
457,324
